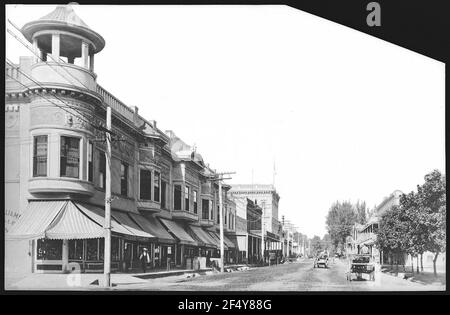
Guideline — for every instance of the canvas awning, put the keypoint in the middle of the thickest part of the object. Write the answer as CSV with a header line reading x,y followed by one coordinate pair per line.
x,y
242,242
129,224
226,241
55,220
98,216
204,237
216,237
73,224
36,219
177,230
151,225
229,242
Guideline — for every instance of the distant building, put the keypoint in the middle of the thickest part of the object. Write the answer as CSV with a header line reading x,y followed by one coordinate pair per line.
x,y
364,237
262,195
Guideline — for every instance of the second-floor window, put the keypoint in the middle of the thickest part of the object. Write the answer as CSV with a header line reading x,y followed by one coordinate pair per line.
x,y
40,148
90,161
70,157
177,197
218,215
195,202
145,185
186,198
101,169
163,194
123,179
156,184
205,209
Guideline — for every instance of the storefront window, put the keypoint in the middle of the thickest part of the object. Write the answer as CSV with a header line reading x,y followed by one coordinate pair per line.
x,y
49,249
101,248
40,156
76,249
115,249
157,255
70,157
92,249
135,251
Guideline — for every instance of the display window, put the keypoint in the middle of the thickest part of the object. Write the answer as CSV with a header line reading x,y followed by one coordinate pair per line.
x,y
49,249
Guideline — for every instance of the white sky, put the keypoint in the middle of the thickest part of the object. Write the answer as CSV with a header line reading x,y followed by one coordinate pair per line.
x,y
344,115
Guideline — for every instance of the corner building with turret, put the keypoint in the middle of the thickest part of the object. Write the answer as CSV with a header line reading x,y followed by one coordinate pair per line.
x,y
164,196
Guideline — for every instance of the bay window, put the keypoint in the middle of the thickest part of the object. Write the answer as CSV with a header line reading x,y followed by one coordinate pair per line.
x,y
70,157
195,202
123,179
102,169
90,162
163,194
156,184
145,181
205,209
177,197
186,198
40,148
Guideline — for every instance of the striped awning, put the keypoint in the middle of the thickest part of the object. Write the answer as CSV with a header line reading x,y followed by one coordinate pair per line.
x,y
73,224
177,230
242,242
55,220
151,225
98,216
229,242
36,219
226,242
129,224
204,237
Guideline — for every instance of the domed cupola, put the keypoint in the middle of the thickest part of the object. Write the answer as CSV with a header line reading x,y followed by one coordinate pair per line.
x,y
61,36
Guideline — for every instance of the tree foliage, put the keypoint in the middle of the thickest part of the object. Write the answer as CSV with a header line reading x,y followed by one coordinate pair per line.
x,y
340,220
391,234
316,245
418,224
361,212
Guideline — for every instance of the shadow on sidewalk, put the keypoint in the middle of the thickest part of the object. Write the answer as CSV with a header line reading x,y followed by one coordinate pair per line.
x,y
423,277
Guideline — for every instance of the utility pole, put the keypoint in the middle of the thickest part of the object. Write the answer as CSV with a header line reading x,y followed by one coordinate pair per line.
x,y
107,255
219,177
263,230
221,227
283,248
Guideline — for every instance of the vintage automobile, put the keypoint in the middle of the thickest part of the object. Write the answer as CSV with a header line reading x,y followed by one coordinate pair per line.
x,y
360,265
321,260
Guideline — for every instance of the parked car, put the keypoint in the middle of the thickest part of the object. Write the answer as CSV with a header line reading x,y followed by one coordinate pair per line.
x,y
321,260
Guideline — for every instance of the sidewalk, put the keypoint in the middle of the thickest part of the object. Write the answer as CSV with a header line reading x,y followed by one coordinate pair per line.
x,y
423,277
85,281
